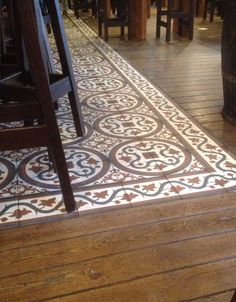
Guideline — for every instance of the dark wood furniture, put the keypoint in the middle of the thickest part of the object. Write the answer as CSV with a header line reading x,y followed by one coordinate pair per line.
x,y
106,20
175,10
212,5
29,94
85,5
234,297
137,27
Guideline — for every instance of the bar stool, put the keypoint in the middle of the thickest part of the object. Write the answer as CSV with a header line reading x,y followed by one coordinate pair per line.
x,y
29,94
105,20
184,18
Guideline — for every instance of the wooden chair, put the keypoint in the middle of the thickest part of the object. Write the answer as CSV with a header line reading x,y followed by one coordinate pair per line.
x,y
85,5
171,12
106,20
46,17
8,56
212,4
29,95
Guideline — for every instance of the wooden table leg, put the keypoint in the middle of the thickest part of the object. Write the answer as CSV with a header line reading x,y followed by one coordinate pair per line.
x,y
137,19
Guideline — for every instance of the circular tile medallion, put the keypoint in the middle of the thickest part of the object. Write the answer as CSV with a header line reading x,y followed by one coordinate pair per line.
x,y
150,157
128,125
108,102
85,166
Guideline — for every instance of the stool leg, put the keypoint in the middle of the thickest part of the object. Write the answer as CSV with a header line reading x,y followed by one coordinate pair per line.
x,y
32,34
158,19
61,42
205,10
76,8
105,32
168,21
234,297
122,32
191,19
99,26
212,10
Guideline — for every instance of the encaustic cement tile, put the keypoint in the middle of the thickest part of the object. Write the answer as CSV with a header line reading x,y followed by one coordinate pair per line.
x,y
8,176
9,211
150,191
39,207
100,198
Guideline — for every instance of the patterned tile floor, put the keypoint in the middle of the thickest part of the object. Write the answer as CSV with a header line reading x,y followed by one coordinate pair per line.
x,y
138,147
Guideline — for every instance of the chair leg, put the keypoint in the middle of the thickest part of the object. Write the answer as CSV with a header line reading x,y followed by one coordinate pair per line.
x,y
197,8
234,297
191,19
33,44
122,32
76,10
212,10
158,19
61,42
99,26
205,10
168,21
105,32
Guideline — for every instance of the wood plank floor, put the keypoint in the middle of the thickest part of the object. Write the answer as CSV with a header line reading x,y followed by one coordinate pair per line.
x,y
169,252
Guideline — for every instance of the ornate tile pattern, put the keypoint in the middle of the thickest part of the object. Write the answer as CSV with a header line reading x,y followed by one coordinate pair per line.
x,y
138,147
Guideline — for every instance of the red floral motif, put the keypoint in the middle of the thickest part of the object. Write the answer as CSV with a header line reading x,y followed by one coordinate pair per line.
x,y
141,145
161,166
194,140
148,122
108,127
34,201
173,151
129,196
179,118
92,161
211,147
177,189
36,169
195,180
4,219
150,187
230,165
19,213
212,156
102,194
221,182
194,131
81,203
73,177
126,158
47,202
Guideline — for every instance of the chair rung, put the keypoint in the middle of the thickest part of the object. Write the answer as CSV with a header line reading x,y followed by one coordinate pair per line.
x,y
25,137
19,112
20,87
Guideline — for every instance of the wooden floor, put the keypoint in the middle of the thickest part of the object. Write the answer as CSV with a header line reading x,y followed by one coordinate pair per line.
x,y
169,252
